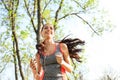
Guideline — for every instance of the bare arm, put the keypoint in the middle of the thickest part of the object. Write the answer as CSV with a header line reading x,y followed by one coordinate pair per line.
x,y
65,61
38,63
33,66
36,67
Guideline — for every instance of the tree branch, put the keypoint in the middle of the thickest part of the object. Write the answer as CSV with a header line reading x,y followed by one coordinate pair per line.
x,y
17,6
78,4
68,15
3,68
46,5
76,14
31,19
57,12
87,24
5,5
35,7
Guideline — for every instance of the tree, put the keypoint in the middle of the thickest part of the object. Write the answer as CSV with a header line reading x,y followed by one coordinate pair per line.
x,y
31,15
11,7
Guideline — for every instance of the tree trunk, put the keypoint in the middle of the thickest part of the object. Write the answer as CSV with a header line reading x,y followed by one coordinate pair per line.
x,y
39,18
12,20
15,61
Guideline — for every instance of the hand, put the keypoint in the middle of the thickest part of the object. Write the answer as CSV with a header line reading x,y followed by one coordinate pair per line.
x,y
33,64
37,77
59,58
38,63
37,58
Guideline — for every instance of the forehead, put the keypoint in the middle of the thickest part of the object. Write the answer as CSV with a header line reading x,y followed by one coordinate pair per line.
x,y
48,25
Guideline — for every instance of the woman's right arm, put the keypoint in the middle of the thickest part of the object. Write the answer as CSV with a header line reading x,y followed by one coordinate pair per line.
x,y
33,67
36,67
38,63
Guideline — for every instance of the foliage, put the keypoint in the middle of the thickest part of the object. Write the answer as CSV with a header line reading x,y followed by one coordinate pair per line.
x,y
26,26
110,74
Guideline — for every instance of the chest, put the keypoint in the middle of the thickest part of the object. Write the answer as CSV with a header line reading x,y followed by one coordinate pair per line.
x,y
49,50
50,59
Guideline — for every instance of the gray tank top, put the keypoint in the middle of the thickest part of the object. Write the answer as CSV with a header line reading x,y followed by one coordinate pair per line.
x,y
52,70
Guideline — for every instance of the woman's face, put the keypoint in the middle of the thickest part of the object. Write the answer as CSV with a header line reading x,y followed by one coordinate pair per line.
x,y
47,31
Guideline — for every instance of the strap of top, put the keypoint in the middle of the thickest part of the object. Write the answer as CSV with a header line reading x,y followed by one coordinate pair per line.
x,y
58,47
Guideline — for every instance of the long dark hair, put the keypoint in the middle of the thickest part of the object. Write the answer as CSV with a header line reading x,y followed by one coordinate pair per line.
x,y
74,47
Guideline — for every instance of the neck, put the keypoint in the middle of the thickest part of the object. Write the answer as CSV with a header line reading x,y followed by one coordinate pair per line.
x,y
49,41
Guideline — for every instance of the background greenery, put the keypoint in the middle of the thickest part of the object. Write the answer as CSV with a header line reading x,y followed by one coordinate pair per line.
x,y
20,23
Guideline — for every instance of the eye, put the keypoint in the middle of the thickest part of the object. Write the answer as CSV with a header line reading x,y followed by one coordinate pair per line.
x,y
48,27
51,28
45,27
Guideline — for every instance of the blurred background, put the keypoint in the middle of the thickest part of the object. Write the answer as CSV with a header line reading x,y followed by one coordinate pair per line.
x,y
94,21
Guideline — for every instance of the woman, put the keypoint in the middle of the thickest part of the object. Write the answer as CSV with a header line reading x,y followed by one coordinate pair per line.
x,y
53,59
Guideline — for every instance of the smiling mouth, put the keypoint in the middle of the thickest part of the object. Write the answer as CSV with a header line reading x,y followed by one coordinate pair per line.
x,y
48,33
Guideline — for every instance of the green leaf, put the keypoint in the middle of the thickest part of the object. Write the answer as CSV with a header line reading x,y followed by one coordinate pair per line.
x,y
6,58
46,14
24,34
88,3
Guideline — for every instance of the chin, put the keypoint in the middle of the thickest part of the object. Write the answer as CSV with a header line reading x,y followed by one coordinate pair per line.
x,y
48,37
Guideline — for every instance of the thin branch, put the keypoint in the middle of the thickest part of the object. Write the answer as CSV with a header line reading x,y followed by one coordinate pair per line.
x,y
3,68
69,14
5,5
87,24
17,6
35,8
30,16
27,8
76,14
46,5
78,4
57,12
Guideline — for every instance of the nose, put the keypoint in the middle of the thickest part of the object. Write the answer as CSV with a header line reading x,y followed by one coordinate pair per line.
x,y
49,29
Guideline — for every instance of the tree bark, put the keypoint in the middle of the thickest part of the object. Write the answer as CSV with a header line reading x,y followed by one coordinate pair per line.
x,y
12,21
39,18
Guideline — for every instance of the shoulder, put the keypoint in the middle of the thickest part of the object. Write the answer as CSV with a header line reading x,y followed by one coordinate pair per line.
x,y
63,46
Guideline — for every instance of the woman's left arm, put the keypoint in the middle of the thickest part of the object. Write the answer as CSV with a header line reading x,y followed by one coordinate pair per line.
x,y
64,61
